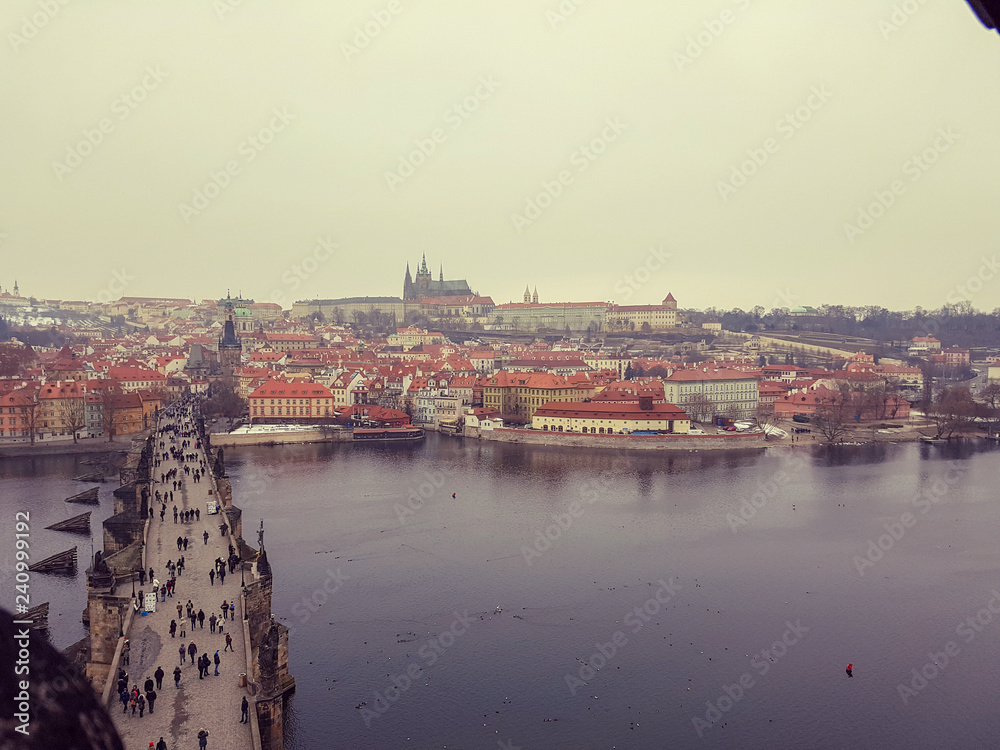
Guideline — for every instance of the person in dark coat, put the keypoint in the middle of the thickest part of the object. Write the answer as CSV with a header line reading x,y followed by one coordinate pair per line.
x,y
177,677
180,541
229,643
124,698
218,661
151,699
182,651
158,674
206,537
245,708
201,619
202,738
192,650
147,685
161,745
211,576
141,700
211,623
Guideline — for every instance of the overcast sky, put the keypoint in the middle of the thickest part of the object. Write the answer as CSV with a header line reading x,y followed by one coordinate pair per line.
x,y
319,110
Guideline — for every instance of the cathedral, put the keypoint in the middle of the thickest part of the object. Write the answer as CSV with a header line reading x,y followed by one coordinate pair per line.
x,y
423,285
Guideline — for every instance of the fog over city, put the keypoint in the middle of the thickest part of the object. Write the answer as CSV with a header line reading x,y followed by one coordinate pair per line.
x,y
772,153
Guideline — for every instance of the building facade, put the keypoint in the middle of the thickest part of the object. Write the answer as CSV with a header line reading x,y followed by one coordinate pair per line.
x,y
707,393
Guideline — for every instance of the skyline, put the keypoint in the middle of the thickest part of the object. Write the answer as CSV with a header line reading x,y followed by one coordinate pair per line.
x,y
529,146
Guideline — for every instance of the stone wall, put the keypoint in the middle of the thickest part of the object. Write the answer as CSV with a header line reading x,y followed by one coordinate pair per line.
x,y
628,442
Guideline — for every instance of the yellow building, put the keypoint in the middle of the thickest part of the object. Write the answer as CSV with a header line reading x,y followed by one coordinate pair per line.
x,y
516,395
62,408
644,317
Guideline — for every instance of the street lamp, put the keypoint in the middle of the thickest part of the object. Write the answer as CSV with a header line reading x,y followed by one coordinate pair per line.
x,y
133,584
121,620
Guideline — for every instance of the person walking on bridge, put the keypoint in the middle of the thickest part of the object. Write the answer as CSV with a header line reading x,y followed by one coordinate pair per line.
x,y
177,677
192,650
206,537
245,708
211,576
158,674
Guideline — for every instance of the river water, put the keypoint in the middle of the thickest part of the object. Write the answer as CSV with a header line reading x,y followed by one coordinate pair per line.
x,y
694,600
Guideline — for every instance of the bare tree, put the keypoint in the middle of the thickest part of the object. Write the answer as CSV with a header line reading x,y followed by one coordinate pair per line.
x,y
109,410
700,407
832,417
765,417
73,413
14,358
31,417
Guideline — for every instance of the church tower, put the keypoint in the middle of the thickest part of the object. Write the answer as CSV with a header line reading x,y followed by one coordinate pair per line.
x,y
230,348
407,284
527,295
534,297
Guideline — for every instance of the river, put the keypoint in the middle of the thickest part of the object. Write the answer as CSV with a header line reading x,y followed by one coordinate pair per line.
x,y
678,600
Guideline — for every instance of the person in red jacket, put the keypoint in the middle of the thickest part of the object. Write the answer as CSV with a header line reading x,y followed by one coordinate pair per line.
x,y
850,670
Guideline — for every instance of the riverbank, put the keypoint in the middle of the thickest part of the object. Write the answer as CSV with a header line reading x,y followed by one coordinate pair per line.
x,y
91,445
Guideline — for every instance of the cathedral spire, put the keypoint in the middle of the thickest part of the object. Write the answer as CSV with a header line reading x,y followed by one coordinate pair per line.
x,y
441,277
527,294
423,265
